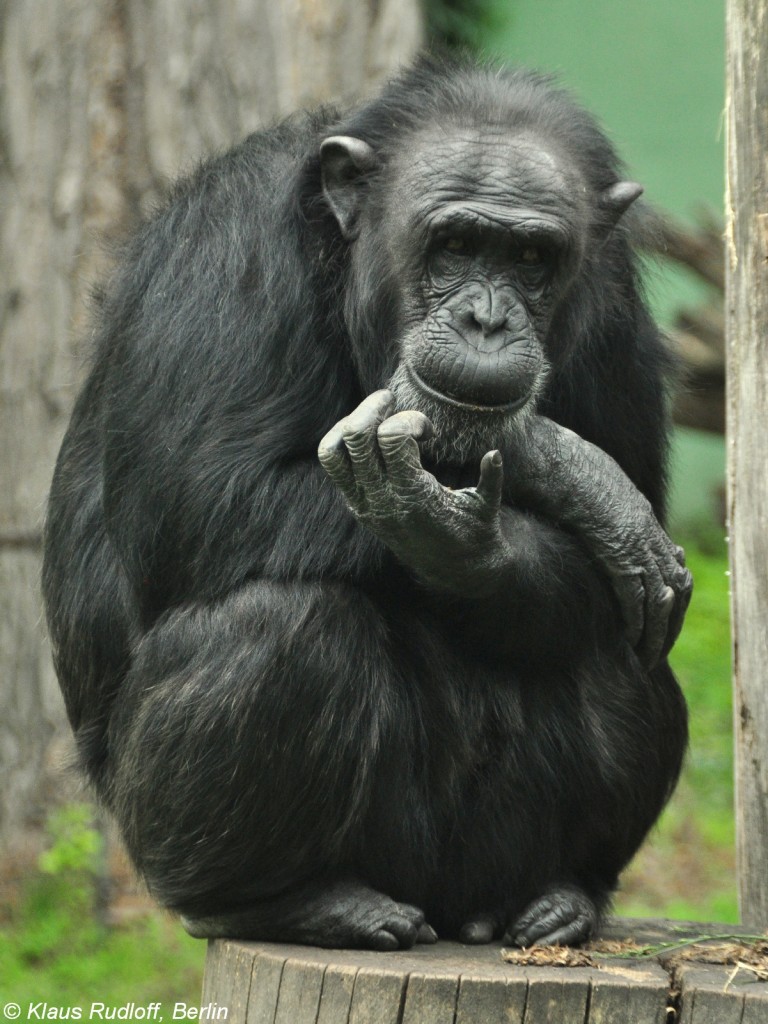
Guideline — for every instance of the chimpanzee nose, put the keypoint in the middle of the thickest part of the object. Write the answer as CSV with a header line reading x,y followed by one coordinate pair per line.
x,y
486,320
490,323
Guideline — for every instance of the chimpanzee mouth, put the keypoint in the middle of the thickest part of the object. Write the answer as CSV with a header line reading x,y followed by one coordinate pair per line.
x,y
441,396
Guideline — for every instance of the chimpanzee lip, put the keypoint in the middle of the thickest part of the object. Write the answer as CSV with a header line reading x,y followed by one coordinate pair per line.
x,y
470,406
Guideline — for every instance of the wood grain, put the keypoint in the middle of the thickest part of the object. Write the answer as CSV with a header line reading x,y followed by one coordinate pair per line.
x,y
747,416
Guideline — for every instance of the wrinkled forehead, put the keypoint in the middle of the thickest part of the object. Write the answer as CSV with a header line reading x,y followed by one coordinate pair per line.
x,y
490,167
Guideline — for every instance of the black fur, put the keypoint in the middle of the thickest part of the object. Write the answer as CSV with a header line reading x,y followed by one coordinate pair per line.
x,y
263,697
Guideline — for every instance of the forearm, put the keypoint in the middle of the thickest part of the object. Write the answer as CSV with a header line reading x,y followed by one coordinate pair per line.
x,y
567,479
579,486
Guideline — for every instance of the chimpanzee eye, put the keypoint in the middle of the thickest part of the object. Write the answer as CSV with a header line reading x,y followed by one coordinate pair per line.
x,y
456,245
531,255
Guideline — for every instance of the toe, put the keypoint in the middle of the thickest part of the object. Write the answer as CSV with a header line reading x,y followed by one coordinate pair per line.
x,y
384,941
478,930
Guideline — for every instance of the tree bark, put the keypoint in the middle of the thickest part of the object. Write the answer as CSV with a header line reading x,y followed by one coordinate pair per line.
x,y
101,103
747,415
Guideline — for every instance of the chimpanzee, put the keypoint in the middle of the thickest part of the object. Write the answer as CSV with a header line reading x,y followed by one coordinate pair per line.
x,y
416,686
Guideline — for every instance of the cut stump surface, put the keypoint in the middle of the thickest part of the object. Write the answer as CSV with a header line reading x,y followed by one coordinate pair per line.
x,y
448,983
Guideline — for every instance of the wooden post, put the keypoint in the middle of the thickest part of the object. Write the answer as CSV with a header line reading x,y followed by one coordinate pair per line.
x,y
747,435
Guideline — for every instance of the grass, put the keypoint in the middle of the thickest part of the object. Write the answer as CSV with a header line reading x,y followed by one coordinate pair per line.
x,y
52,948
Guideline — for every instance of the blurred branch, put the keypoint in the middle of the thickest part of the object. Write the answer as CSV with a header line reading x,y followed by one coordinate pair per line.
x,y
698,335
699,248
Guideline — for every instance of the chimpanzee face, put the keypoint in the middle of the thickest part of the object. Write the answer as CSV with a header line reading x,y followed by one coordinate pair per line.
x,y
484,231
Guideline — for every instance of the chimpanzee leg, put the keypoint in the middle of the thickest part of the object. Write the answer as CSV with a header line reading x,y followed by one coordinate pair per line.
x,y
560,863
244,745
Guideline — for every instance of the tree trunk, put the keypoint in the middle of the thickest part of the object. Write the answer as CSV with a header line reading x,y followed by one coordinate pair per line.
x,y
101,103
747,330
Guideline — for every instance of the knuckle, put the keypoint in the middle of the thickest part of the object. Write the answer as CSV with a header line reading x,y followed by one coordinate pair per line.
x,y
388,432
332,439
328,451
354,429
392,437
403,424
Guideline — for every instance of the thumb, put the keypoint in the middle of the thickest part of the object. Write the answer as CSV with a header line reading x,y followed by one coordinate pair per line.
x,y
491,479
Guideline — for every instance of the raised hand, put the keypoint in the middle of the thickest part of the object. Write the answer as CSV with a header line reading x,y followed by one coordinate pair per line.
x,y
451,539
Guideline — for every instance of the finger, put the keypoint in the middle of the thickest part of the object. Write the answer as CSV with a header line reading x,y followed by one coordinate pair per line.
x,y
376,406
398,927
408,423
671,561
668,588
359,434
537,930
398,438
661,603
384,941
414,914
491,479
333,456
668,591
570,934
342,451
630,594
682,600
426,935
525,922
358,430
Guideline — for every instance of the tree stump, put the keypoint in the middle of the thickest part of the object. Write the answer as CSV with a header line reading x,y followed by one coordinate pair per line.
x,y
265,983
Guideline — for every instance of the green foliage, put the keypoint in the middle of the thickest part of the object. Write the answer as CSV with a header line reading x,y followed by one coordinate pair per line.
x,y
59,903
76,845
54,948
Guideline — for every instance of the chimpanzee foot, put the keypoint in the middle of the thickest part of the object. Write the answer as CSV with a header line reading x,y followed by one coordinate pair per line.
x,y
338,915
563,916
480,929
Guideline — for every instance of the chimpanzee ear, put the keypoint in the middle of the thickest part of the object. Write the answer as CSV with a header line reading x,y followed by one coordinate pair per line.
x,y
616,200
345,162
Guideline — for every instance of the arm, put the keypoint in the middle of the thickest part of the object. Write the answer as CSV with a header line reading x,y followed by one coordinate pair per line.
x,y
509,581
577,484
